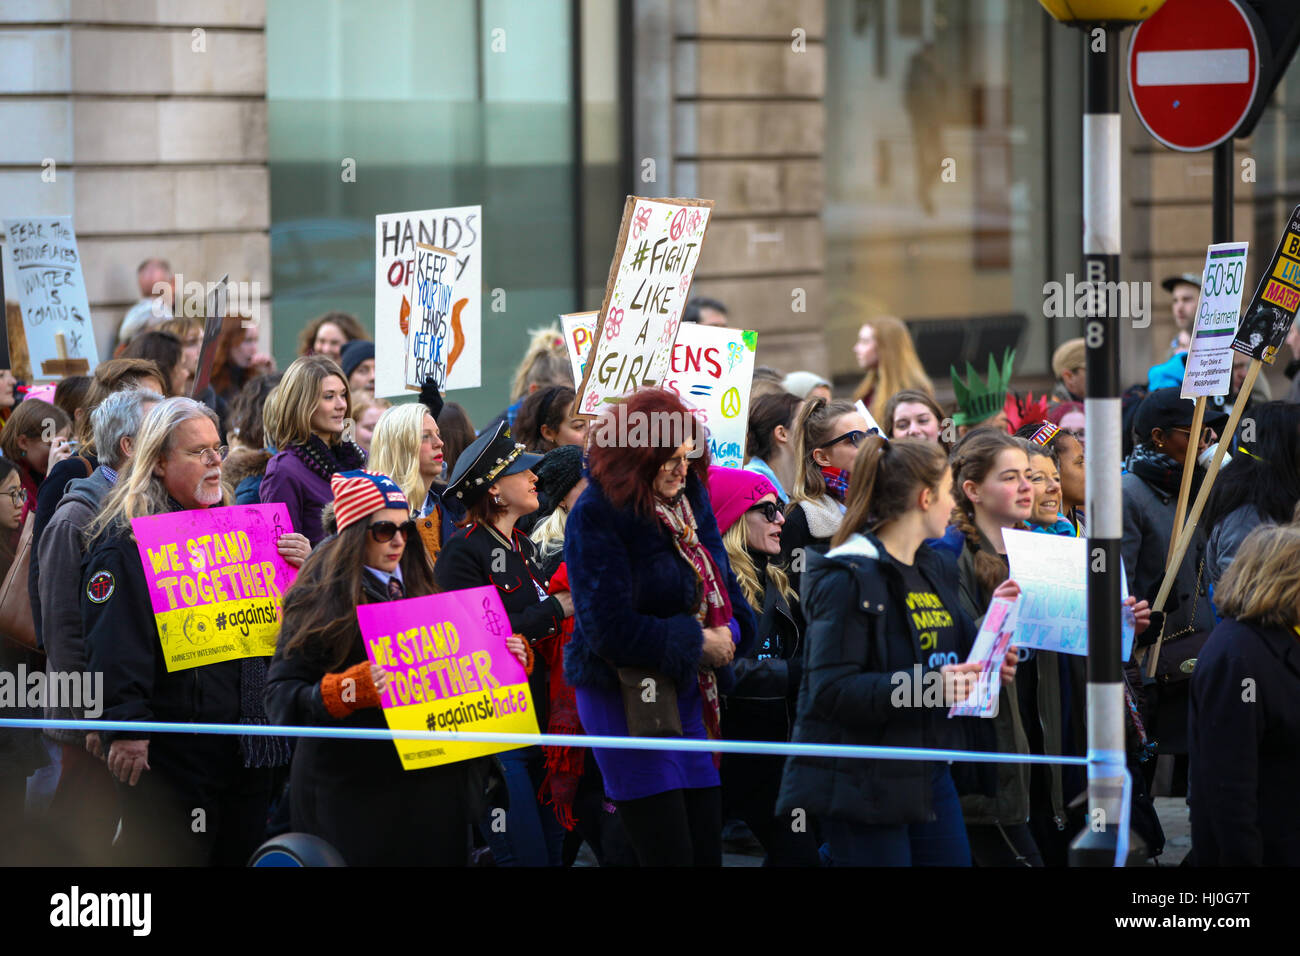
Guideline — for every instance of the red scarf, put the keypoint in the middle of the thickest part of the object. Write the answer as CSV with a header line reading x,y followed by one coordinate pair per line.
x,y
563,764
714,609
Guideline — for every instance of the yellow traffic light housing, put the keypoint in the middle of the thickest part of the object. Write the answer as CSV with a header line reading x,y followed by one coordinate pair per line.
x,y
1101,11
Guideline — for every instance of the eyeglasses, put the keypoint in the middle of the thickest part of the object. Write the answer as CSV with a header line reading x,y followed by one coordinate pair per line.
x,y
770,510
210,456
672,464
19,495
1207,433
854,438
384,531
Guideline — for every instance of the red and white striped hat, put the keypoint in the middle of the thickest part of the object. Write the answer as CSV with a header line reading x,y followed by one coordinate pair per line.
x,y
359,494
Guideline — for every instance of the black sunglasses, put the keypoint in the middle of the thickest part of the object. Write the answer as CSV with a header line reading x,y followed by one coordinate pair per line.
x,y
384,531
769,510
854,438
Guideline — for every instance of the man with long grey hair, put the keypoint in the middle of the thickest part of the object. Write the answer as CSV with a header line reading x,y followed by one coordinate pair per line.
x,y
164,781
84,809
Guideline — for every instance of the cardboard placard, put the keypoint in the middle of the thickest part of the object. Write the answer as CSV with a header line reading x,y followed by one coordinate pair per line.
x,y
989,651
711,371
51,292
1209,358
431,294
1272,308
579,332
448,669
459,229
1052,611
216,581
649,282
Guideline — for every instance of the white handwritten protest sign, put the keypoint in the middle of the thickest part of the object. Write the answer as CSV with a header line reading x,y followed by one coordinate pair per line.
x,y
579,332
650,276
52,294
989,651
1209,358
1052,612
711,371
432,284
397,234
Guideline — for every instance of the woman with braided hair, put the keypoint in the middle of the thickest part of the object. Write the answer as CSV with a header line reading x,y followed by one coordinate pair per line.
x,y
992,488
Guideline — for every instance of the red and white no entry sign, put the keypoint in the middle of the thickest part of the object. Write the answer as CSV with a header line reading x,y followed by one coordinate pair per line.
x,y
1194,71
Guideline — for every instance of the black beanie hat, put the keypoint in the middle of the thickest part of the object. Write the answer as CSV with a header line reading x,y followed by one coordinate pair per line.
x,y
557,473
354,353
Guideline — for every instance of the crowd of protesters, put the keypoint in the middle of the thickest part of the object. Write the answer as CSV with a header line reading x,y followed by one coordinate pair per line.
x,y
776,602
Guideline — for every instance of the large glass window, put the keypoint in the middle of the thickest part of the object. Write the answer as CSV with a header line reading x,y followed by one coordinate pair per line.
x,y
936,170
459,102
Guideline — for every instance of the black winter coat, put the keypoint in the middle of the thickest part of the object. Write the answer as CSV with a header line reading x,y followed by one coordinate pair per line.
x,y
354,794
1244,747
477,555
761,706
857,645
122,643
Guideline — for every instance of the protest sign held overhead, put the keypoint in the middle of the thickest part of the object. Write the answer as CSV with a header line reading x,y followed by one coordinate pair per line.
x,y
430,295
1272,308
459,230
649,282
579,332
215,579
448,669
711,371
1209,358
51,293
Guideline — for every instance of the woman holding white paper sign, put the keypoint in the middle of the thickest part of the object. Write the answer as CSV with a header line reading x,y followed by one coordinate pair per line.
x,y
886,649
993,491
354,794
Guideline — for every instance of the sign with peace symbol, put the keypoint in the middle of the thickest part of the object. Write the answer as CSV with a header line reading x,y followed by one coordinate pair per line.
x,y
731,403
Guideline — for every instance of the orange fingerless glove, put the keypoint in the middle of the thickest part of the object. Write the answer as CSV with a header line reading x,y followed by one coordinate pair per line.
x,y
528,654
351,690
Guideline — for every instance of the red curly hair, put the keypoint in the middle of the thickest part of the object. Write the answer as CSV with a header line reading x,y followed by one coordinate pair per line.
x,y
629,446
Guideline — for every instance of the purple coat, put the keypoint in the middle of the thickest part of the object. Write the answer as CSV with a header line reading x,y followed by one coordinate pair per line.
x,y
303,492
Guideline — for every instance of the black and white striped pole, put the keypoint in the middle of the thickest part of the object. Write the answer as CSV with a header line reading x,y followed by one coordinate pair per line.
x,y
1098,844
1105,839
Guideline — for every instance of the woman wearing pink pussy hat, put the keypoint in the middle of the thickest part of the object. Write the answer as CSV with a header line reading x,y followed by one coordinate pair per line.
x,y
761,705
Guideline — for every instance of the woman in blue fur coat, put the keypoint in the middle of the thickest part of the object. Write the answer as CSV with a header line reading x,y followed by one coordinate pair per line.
x,y
654,597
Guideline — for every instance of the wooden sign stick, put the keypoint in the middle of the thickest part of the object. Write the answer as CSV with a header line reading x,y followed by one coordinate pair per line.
x,y
1185,538
63,366
1185,490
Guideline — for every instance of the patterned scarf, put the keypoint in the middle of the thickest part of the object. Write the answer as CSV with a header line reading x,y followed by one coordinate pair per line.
x,y
325,460
1157,469
837,482
257,751
714,608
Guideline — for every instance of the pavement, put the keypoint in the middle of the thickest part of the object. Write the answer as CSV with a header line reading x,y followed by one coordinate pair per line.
x,y
740,849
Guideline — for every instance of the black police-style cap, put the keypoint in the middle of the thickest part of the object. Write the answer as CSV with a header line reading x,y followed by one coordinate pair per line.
x,y
492,455
1165,408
